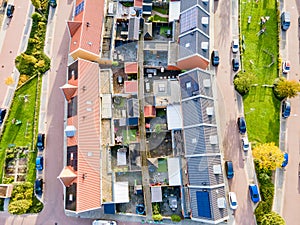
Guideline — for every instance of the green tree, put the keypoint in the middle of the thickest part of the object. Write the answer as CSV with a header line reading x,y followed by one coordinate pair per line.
x,y
284,88
243,82
268,156
272,219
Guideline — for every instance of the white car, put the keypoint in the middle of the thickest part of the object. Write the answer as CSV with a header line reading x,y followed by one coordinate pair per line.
x,y
286,66
235,45
104,222
245,144
232,200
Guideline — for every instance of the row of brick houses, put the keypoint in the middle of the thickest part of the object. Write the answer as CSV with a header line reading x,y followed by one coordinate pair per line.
x,y
96,31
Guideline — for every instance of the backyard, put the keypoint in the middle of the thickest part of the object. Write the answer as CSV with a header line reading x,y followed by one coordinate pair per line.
x,y
259,32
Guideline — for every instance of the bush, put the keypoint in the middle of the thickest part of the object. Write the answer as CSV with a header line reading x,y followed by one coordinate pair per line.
x,y
19,207
267,192
157,217
261,210
175,218
156,208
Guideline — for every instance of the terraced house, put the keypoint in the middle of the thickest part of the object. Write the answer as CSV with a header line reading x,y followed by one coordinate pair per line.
x,y
139,131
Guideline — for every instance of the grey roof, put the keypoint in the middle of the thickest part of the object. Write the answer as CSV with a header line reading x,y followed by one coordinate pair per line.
x,y
192,42
216,212
186,4
201,170
201,146
198,108
199,140
194,18
193,82
133,28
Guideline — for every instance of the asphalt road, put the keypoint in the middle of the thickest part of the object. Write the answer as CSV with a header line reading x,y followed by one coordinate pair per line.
x,y
229,107
290,51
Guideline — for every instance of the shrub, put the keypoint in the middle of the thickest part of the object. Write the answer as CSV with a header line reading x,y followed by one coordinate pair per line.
x,y
156,208
267,192
261,210
157,217
243,81
19,206
175,218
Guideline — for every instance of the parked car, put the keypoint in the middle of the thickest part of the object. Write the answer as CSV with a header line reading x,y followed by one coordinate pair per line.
x,y
38,186
229,169
40,144
232,200
245,144
285,160
10,10
285,20
235,45
286,66
52,3
39,163
104,222
242,125
286,109
215,58
253,190
235,64
2,115
173,202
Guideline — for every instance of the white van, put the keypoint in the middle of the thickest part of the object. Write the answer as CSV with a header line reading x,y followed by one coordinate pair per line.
x,y
104,222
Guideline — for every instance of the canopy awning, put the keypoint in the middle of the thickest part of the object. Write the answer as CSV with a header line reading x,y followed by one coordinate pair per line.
x,y
156,194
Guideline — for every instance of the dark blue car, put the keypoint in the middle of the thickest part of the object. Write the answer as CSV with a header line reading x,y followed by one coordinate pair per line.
x,y
254,193
229,169
286,109
242,125
38,185
39,163
286,160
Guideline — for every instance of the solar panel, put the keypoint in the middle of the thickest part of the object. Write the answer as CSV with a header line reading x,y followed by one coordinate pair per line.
x,y
188,20
79,8
203,204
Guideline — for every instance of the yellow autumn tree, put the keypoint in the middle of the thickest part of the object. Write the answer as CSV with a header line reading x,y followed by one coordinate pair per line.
x,y
268,156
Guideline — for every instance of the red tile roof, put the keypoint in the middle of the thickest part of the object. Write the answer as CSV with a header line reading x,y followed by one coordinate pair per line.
x,y
138,3
131,86
149,111
69,91
86,28
68,176
131,67
88,112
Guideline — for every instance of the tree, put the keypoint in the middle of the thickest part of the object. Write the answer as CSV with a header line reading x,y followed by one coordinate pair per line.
x,y
284,88
243,82
272,218
268,156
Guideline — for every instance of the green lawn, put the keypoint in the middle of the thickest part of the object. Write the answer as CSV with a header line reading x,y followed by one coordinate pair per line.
x,y
162,165
157,18
22,134
162,10
260,106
